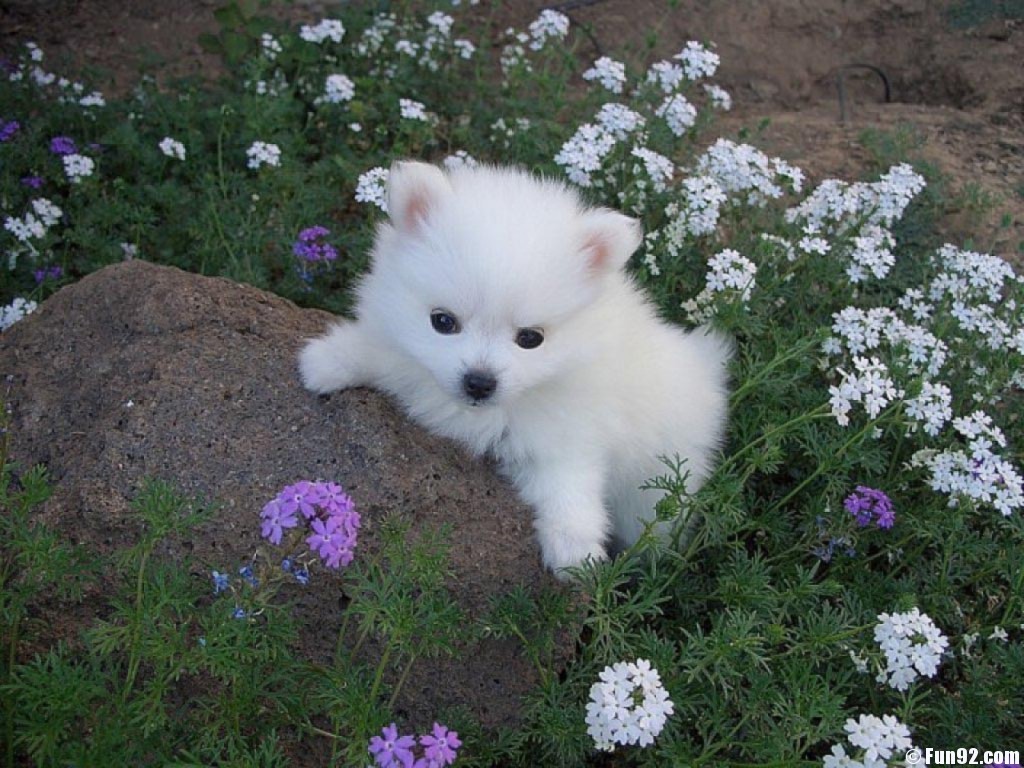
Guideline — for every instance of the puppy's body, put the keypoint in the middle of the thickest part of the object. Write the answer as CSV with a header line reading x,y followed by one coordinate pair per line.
x,y
577,421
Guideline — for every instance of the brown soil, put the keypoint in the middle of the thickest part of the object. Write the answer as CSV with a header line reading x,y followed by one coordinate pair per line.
x,y
957,80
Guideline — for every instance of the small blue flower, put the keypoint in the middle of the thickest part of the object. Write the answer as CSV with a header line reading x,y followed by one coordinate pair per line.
x,y
220,582
246,573
301,575
240,613
286,565
202,641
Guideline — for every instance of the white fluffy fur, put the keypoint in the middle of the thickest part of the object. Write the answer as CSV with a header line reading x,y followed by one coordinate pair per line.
x,y
578,423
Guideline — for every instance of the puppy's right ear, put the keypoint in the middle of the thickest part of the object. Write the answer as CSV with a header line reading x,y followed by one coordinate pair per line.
x,y
413,189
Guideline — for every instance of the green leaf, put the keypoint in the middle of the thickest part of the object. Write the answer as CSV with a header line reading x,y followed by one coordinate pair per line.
x,y
229,16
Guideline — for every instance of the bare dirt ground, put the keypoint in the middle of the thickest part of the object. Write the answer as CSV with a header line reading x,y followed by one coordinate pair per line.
x,y
956,69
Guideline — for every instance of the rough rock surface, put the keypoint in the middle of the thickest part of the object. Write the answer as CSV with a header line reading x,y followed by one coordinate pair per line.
x,y
142,371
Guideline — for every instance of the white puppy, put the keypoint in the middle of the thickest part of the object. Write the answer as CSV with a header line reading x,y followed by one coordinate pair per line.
x,y
497,312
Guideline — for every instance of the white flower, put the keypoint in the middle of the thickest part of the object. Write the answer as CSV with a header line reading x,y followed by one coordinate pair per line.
x,y
129,251
550,25
720,98
15,311
94,99
372,188
327,29
665,75
270,46
869,385
412,110
619,120
1000,634
729,273
932,408
461,159
703,201
875,739
678,113
609,73
441,22
78,167
261,153
464,48
583,154
628,705
337,89
741,168
172,148
697,61
912,645
34,52
658,167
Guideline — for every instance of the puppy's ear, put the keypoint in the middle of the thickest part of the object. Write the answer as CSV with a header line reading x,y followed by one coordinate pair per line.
x,y
609,239
413,189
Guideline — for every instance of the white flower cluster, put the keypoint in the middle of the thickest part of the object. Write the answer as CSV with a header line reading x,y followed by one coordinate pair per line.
x,y
583,154
513,55
15,311
461,159
720,98
502,133
876,739
275,86
550,25
978,473
611,74
619,120
413,110
702,204
35,223
172,148
913,646
728,273
374,36
261,153
659,169
666,75
698,60
836,206
270,46
338,89
680,114
629,705
78,167
372,187
914,347
871,252
327,29
869,385
741,168
932,408
464,48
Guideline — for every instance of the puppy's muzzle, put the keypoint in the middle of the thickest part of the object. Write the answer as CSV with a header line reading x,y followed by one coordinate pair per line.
x,y
479,385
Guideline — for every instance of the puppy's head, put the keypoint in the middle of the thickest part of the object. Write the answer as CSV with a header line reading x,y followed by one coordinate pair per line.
x,y
486,277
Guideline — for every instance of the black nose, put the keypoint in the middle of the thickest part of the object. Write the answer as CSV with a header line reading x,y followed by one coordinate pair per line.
x,y
479,385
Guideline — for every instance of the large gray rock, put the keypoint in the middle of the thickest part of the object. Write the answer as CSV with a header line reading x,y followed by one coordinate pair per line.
x,y
142,371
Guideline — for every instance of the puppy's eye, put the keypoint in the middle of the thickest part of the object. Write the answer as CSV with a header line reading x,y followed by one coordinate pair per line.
x,y
529,338
444,322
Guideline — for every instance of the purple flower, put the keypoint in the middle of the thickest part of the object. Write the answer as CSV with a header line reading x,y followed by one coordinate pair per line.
x,y
220,582
335,500
32,181
275,519
867,504
389,749
7,130
300,497
62,145
439,747
310,248
331,541
47,273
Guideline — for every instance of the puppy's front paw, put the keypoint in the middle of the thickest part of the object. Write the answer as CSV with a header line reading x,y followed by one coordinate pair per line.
x,y
561,551
333,361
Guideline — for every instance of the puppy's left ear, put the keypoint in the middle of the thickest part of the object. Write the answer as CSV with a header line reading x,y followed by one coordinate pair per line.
x,y
609,239
413,190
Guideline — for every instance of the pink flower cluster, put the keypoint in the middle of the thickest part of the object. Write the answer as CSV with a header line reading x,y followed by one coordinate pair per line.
x,y
327,511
